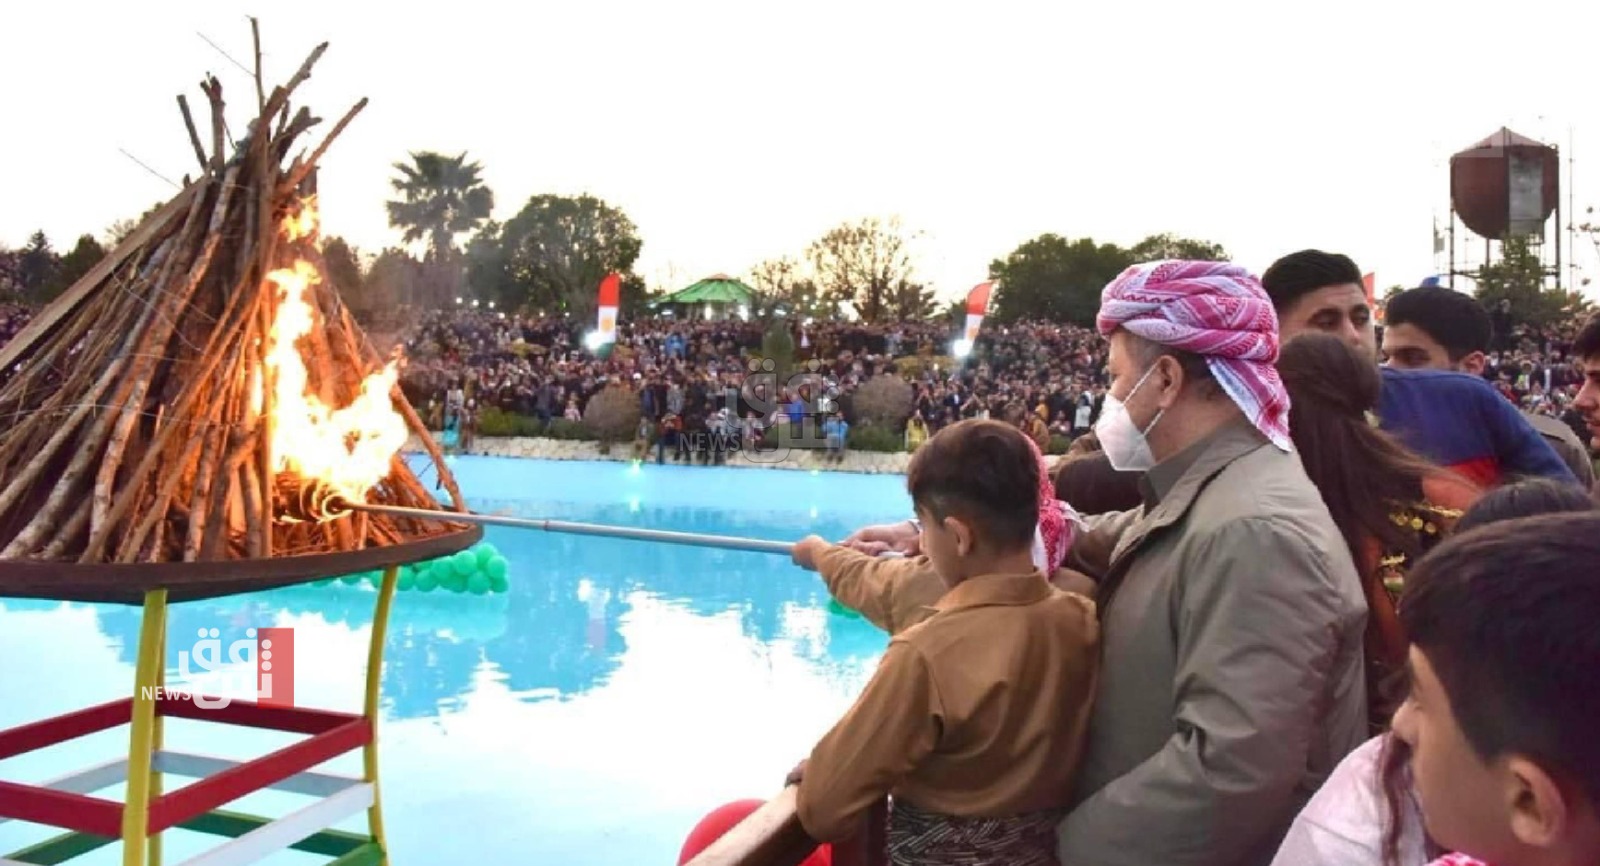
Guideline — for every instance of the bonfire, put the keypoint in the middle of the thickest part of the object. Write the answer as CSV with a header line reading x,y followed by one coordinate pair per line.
x,y
202,394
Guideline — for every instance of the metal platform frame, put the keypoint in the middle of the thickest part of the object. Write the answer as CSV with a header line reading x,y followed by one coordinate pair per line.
x,y
94,822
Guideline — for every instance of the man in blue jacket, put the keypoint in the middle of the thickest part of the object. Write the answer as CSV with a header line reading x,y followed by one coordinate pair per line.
x,y
1454,419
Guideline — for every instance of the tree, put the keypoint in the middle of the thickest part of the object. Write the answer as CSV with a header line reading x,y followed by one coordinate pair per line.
x,y
489,265
783,289
117,231
85,254
1515,284
395,278
866,264
1170,246
343,263
911,302
38,265
1053,278
440,197
556,250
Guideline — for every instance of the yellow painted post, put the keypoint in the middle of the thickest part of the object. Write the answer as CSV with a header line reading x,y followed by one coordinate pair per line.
x,y
380,631
158,738
136,808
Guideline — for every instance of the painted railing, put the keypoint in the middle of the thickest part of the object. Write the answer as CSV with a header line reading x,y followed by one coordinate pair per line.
x,y
772,836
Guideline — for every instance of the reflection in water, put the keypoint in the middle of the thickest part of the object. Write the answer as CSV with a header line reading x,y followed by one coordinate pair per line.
x,y
556,633
597,709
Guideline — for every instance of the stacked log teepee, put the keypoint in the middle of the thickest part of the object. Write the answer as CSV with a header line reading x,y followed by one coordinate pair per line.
x,y
139,407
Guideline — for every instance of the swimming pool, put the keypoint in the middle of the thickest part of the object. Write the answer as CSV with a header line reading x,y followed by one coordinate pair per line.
x,y
618,692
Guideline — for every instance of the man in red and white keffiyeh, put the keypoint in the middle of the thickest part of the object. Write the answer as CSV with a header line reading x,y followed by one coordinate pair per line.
x,y
1058,522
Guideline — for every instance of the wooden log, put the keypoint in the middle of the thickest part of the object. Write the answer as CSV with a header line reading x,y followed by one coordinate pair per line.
x,y
145,365
299,172
69,300
69,533
157,338
254,531
261,92
213,91
133,544
194,135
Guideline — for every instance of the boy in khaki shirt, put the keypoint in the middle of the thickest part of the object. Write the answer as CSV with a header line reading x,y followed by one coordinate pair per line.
x,y
975,719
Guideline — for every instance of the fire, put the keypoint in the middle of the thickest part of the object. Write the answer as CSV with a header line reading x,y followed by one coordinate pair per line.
x,y
303,223
349,447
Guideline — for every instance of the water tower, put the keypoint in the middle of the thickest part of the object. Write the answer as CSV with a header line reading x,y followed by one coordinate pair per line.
x,y
1507,185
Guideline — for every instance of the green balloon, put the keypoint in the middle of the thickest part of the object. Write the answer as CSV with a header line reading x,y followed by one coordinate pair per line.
x,y
478,584
350,579
466,562
406,581
496,568
457,582
485,553
498,583
323,582
426,582
836,608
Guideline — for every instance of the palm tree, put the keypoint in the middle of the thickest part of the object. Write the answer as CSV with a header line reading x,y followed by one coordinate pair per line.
x,y
441,197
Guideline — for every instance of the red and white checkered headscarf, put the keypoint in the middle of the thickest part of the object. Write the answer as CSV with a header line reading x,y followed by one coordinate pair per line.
x,y
1457,860
1057,521
1216,310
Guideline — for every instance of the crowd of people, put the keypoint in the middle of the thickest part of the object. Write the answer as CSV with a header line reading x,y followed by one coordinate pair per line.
x,y
13,318
1343,616
692,376
1047,378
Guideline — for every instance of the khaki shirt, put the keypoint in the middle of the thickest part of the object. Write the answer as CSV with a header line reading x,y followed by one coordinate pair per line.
x,y
895,593
978,711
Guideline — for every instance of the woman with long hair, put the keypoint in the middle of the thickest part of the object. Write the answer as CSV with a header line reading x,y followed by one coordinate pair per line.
x,y
1367,814
1390,504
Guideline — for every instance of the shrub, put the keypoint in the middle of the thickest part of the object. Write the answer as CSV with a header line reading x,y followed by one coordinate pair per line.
x,y
916,365
527,425
492,421
778,344
884,401
612,415
870,437
561,428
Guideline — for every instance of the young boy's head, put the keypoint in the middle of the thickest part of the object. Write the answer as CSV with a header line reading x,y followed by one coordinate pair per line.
x,y
1504,713
975,486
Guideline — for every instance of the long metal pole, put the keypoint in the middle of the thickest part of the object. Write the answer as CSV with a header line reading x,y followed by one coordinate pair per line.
x,y
692,539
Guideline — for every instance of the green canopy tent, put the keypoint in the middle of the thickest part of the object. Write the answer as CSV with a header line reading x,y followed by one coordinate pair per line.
x,y
720,295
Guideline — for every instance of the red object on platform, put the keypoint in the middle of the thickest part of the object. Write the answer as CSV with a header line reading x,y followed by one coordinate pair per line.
x,y
724,818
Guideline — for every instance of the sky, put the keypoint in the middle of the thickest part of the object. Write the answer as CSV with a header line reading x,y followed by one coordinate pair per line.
x,y
733,132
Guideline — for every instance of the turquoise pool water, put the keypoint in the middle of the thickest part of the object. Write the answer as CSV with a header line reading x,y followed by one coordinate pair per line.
x,y
590,716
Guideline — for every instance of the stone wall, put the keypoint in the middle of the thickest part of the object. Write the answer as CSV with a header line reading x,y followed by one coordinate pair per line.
x,y
871,462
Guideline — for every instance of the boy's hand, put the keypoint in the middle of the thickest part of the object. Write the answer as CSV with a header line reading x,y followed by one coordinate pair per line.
x,y
795,775
806,551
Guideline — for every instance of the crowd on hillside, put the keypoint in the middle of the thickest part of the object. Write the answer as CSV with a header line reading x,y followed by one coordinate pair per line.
x,y
461,362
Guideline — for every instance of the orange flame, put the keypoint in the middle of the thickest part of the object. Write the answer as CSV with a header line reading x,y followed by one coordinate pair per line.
x,y
350,448
302,223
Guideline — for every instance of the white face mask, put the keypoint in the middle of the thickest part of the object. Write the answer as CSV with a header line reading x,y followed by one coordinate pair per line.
x,y
1125,445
